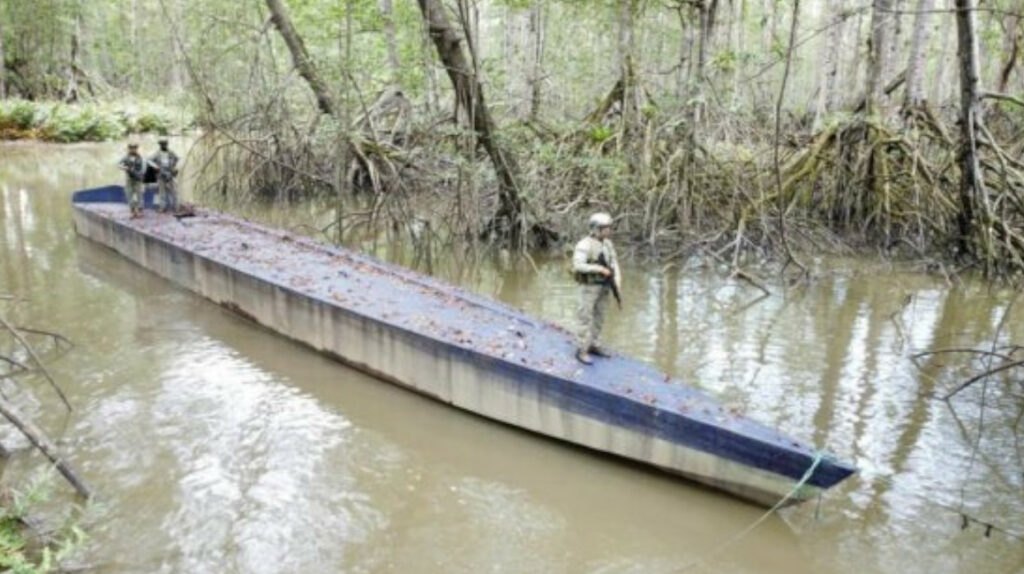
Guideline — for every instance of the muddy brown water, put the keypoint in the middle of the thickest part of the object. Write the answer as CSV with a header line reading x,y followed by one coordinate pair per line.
x,y
217,446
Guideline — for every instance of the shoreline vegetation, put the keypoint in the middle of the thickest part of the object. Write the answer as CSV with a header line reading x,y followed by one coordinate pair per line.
x,y
745,134
32,539
54,121
35,536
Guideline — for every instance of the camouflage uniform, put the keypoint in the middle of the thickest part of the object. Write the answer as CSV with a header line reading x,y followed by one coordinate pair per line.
x,y
135,172
166,163
594,289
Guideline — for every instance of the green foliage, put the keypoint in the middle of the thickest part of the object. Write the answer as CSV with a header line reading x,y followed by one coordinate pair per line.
x,y
17,115
725,61
20,550
600,134
148,120
67,124
62,123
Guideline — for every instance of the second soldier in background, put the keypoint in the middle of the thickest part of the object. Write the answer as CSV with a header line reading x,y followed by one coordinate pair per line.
x,y
165,162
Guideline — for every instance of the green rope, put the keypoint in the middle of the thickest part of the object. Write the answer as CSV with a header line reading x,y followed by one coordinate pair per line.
x,y
818,457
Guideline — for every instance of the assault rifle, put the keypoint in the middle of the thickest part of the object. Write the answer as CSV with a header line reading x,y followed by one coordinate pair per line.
x,y
610,280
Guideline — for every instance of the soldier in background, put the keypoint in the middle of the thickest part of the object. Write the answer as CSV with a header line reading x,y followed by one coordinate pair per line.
x,y
596,268
135,172
165,162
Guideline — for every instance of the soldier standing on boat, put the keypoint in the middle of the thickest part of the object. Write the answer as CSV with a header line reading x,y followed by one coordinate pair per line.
x,y
165,162
596,268
135,172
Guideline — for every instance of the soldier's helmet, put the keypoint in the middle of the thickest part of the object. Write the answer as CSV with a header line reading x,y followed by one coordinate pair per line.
x,y
162,141
599,220
133,145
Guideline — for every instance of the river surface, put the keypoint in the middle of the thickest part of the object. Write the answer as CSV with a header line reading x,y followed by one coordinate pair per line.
x,y
217,446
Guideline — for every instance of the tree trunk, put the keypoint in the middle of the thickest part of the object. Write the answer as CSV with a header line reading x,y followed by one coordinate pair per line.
x,y
896,33
627,69
940,87
537,54
780,196
508,56
71,94
300,57
704,36
878,62
178,74
1011,49
738,47
342,181
914,91
469,96
133,34
767,26
712,8
88,64
3,62
853,81
971,185
428,70
105,64
655,59
684,73
387,13
829,67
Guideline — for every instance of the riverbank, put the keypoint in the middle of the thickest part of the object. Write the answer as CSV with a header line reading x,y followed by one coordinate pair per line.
x,y
87,122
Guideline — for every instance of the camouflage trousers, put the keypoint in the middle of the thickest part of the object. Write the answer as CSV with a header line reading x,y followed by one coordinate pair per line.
x,y
134,192
590,315
168,191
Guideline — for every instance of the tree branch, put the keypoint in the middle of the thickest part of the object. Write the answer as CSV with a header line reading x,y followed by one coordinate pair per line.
x,y
1001,97
17,335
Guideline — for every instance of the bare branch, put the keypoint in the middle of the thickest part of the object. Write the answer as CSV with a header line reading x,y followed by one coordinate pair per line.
x,y
1001,97
981,376
17,335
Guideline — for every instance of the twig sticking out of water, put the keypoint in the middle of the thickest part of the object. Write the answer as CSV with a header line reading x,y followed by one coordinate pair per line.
x,y
1009,362
35,357
33,433
982,376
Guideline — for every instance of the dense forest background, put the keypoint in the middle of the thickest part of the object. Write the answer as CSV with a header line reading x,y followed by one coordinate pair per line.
x,y
738,129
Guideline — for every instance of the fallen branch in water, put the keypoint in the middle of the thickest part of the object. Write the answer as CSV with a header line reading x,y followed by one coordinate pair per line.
x,y
19,367
39,439
32,353
57,337
1009,362
981,376
965,350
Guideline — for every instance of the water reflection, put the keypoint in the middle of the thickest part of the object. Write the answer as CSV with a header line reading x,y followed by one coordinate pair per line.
x,y
422,489
220,447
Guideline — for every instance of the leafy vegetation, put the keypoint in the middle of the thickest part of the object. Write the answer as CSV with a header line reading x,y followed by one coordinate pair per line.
x,y
741,130
68,123
27,550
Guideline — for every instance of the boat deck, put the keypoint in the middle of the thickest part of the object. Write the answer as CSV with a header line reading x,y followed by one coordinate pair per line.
x,y
619,390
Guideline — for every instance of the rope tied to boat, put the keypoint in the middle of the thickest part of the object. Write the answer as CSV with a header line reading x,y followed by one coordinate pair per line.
x,y
818,457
